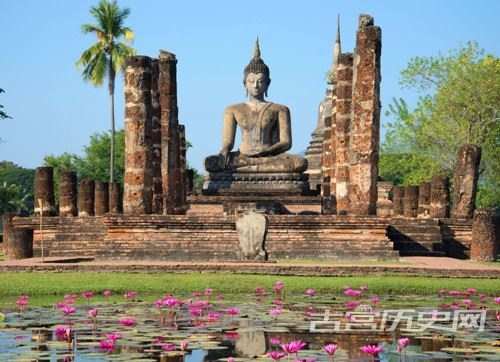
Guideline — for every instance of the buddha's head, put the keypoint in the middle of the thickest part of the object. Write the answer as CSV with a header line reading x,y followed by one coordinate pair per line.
x,y
256,75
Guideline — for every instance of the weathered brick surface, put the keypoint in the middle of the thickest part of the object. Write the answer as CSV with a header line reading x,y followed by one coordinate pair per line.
x,y
44,191
410,201
101,201
457,237
157,207
115,198
417,237
170,137
384,202
86,190
398,193
440,197
465,181
17,243
424,199
365,129
484,246
68,185
342,131
181,186
138,178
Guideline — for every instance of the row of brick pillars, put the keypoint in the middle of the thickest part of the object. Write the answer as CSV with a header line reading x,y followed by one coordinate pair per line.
x,y
155,144
86,198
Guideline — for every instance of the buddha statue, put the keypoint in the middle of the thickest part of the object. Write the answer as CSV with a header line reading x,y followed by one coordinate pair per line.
x,y
266,133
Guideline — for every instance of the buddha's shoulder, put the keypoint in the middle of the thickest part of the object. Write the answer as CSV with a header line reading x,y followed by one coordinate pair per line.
x,y
235,107
279,107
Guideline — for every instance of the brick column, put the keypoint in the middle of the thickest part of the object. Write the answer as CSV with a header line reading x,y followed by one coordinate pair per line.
x,y
138,180
342,131
101,198
115,198
384,203
189,181
68,185
424,199
17,243
365,129
440,197
44,190
465,181
156,139
170,142
86,197
484,246
410,201
398,193
327,170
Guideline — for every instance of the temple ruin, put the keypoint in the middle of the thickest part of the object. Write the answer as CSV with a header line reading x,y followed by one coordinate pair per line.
x,y
259,201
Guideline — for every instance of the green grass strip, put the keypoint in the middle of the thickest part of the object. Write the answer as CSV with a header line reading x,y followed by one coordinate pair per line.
x,y
40,284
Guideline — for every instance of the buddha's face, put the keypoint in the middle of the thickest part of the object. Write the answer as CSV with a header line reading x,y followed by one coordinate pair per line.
x,y
256,84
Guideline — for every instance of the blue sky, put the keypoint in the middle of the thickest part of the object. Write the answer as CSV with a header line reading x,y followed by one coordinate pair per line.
x,y
54,111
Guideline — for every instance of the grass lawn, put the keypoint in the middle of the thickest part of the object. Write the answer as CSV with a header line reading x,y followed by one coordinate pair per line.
x,y
37,283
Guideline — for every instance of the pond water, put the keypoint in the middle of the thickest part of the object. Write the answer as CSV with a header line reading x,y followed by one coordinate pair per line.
x,y
268,325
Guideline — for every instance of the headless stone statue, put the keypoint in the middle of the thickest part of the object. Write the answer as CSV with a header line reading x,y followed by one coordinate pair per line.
x,y
266,136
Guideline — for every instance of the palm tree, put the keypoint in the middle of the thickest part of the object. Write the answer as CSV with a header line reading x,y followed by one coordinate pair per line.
x,y
107,56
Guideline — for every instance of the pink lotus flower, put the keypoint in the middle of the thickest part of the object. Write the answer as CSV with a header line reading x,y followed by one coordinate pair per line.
x,y
276,355
260,292
170,302
497,316
87,294
230,359
184,345
293,346
330,349
274,312
233,311
278,286
371,349
497,300
352,292
107,345
92,313
168,347
471,291
63,333
375,300
195,312
130,295
128,321
277,302
107,293
352,304
310,292
403,343
113,336
22,302
208,292
213,316
68,310
275,341
454,293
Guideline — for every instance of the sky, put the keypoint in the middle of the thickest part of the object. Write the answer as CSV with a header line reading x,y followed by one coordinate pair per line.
x,y
54,111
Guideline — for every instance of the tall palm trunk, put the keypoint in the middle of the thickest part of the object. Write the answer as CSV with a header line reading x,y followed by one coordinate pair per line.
x,y
111,73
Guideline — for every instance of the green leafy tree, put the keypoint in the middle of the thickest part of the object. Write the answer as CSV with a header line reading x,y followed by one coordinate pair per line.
x,y
459,103
16,188
107,56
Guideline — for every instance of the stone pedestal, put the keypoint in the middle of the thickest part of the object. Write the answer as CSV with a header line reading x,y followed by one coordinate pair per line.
x,y
410,201
424,200
115,198
17,243
101,198
384,203
138,179
484,246
156,139
343,106
68,185
440,197
365,129
44,191
86,190
398,193
465,181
